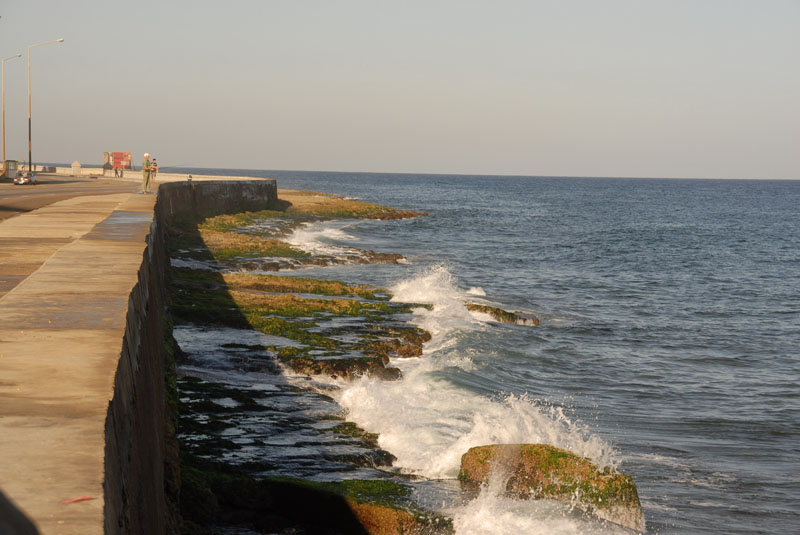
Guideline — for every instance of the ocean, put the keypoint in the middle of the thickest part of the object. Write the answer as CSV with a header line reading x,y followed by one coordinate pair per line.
x,y
668,342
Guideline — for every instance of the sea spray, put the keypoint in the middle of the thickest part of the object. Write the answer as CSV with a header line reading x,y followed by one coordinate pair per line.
x,y
427,421
322,239
492,514
446,315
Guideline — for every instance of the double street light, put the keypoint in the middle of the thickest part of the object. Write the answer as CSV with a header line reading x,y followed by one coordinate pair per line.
x,y
30,156
3,92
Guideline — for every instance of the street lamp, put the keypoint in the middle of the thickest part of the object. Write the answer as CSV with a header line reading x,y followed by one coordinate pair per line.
x,y
30,157
3,92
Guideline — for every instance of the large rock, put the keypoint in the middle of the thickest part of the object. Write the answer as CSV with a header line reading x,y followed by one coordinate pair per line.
x,y
534,471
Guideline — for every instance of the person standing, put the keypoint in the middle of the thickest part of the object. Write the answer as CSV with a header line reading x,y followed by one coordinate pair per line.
x,y
146,174
153,171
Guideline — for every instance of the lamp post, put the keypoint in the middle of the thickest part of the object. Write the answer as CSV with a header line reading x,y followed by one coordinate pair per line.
x,y
30,156
3,92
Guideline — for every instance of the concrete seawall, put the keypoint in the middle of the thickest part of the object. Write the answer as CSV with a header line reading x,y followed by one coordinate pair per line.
x,y
85,425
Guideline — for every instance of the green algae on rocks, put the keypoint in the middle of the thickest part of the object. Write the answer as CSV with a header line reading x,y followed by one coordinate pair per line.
x,y
534,471
302,285
337,207
232,238
333,328
345,351
503,316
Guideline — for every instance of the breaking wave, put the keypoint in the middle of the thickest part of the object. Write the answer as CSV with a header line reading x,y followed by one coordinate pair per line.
x,y
322,239
427,421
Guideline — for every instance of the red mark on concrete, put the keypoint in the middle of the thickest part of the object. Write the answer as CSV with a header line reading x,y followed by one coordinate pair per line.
x,y
79,499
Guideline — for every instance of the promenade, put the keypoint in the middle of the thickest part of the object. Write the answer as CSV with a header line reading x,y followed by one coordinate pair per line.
x,y
66,273
67,270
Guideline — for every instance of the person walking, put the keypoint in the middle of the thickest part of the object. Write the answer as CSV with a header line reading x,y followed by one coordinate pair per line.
x,y
146,173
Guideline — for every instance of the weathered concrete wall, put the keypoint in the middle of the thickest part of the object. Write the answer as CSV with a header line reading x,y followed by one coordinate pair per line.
x,y
178,199
141,478
135,425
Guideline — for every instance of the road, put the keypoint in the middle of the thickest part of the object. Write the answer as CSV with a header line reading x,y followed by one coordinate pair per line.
x,y
15,200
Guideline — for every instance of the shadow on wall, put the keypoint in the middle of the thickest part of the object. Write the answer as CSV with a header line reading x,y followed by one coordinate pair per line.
x,y
13,521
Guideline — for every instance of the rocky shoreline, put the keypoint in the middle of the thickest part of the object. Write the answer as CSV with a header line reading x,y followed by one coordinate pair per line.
x,y
276,454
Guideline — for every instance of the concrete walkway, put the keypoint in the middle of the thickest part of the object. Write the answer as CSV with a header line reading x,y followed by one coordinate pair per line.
x,y
66,271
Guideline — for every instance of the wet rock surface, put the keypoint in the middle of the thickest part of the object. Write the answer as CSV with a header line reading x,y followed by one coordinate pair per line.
x,y
256,444
341,337
504,316
265,448
258,241
237,406
534,471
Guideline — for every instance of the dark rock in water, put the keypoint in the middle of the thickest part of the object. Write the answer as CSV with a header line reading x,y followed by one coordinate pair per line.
x,y
387,374
504,316
534,471
347,368
526,319
398,342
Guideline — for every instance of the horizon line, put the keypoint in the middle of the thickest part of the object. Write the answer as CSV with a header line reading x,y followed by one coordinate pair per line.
x,y
503,175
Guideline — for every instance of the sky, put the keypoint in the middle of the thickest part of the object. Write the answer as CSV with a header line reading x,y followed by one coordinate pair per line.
x,y
628,88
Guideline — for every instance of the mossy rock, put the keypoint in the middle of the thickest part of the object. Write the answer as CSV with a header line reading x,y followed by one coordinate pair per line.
x,y
351,429
384,520
534,471
503,316
293,306
224,237
394,348
280,284
311,203
229,245
347,368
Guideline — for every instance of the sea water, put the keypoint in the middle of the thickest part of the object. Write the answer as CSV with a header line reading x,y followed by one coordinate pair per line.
x,y
668,345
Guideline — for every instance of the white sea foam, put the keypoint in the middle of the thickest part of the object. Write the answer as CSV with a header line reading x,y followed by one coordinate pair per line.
x,y
491,514
436,287
322,239
476,290
427,421
481,316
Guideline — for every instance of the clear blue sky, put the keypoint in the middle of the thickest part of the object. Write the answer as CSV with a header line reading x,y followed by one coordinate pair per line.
x,y
673,88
